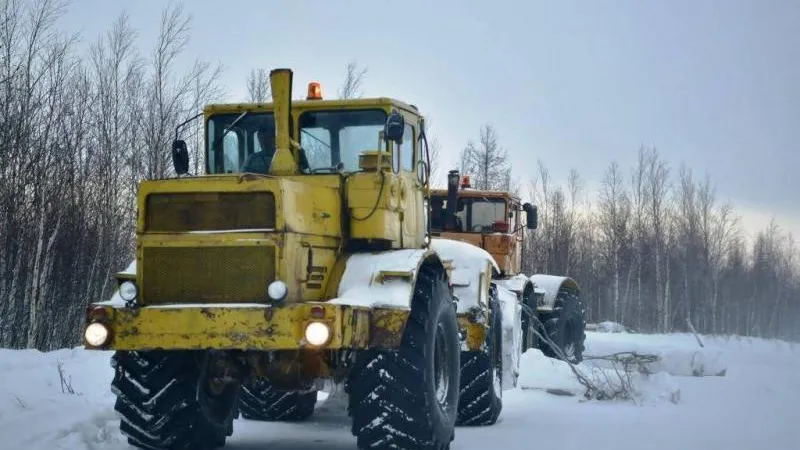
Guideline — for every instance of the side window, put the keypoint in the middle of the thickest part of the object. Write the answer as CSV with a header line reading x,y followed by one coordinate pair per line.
x,y
423,156
231,151
407,149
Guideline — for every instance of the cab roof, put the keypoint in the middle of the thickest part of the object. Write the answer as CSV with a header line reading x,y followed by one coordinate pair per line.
x,y
378,102
475,193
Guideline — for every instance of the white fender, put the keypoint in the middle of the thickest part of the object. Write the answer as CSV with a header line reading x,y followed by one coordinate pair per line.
x,y
383,279
512,336
471,272
549,285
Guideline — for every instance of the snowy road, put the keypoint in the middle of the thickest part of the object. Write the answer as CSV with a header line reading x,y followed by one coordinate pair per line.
x,y
752,407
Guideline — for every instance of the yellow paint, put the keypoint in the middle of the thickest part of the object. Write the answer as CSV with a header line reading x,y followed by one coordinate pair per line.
x,y
476,332
251,327
223,238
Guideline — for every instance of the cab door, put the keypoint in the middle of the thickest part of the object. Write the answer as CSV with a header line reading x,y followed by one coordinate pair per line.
x,y
411,187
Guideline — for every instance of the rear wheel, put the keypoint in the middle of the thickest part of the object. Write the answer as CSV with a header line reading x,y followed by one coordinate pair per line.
x,y
481,399
407,399
566,327
259,400
167,402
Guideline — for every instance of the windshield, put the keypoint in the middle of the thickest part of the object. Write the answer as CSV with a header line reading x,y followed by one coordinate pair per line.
x,y
333,137
475,215
247,147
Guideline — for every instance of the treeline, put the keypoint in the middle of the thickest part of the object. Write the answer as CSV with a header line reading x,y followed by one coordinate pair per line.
x,y
653,247
78,130
656,248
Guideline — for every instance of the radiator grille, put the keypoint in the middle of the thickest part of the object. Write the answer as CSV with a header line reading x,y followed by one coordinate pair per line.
x,y
207,274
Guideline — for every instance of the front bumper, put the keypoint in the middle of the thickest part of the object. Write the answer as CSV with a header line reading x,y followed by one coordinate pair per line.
x,y
245,326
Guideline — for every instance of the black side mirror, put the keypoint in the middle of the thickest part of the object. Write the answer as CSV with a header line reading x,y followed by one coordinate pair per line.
x,y
531,215
394,128
180,156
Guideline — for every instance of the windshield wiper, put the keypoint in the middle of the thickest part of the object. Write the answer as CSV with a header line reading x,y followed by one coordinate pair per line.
x,y
226,130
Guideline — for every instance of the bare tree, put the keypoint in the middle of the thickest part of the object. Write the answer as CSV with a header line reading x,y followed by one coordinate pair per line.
x,y
258,88
79,132
614,221
486,161
353,80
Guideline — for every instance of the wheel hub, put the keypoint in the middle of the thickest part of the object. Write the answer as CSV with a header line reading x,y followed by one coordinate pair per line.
x,y
441,373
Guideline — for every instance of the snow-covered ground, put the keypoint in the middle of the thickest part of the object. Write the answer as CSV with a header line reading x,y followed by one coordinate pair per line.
x,y
752,406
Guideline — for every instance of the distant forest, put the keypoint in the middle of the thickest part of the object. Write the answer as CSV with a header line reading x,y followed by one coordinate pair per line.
x,y
81,128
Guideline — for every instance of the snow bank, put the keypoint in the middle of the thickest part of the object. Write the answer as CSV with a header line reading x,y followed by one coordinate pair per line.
x,y
37,411
607,327
679,354
753,406
542,373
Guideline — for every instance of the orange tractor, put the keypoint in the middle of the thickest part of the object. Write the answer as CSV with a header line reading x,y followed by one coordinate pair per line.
x,y
492,220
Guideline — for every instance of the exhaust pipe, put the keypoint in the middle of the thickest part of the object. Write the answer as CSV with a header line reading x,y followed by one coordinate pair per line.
x,y
284,162
452,199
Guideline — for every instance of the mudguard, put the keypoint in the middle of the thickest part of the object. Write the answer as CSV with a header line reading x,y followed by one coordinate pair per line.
x,y
381,280
515,284
512,336
471,272
548,286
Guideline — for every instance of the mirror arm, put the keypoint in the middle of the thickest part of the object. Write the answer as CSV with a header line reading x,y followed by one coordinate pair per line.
x,y
183,124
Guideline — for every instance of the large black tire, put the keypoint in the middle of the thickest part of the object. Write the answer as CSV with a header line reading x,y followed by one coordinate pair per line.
x,y
566,327
260,401
407,399
481,399
164,404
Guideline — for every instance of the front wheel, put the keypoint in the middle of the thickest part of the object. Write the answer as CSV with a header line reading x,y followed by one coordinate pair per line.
x,y
408,398
481,398
168,403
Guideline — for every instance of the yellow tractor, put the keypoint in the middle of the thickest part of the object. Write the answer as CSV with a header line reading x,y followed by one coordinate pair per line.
x,y
492,220
301,256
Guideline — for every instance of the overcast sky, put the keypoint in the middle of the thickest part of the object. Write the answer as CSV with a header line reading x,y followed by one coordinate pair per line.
x,y
712,84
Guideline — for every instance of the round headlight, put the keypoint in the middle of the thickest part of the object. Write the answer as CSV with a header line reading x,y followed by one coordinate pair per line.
x,y
317,333
128,290
277,290
96,334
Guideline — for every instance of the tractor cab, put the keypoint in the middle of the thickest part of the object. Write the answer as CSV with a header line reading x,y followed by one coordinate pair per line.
x,y
488,219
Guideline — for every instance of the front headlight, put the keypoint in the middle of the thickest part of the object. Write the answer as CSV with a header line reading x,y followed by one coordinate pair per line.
x,y
96,334
317,333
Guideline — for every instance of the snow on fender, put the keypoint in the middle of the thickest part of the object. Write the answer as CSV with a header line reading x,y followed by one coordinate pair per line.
x,y
549,285
384,279
469,263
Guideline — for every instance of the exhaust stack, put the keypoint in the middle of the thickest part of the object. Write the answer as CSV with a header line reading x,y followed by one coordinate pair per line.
x,y
452,199
284,162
